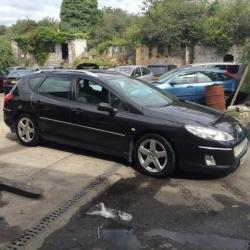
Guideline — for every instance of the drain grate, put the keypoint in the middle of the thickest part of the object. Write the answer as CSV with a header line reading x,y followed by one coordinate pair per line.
x,y
45,222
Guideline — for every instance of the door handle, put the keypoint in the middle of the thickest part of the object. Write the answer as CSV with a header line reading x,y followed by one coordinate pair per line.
x,y
189,86
77,110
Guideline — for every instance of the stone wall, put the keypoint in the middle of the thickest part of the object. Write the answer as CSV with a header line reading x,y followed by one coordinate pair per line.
x,y
146,56
77,49
209,54
120,55
56,57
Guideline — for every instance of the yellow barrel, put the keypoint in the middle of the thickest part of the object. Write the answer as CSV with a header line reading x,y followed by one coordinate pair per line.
x,y
215,98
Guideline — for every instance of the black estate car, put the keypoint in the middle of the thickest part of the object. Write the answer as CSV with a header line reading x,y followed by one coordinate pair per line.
x,y
118,115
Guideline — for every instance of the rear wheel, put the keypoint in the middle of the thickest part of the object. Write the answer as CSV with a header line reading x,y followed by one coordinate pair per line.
x,y
154,156
26,130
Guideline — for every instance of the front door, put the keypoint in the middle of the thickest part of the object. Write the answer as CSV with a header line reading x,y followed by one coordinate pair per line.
x,y
99,130
184,86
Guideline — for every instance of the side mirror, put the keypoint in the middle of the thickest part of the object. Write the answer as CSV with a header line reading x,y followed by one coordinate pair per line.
x,y
107,108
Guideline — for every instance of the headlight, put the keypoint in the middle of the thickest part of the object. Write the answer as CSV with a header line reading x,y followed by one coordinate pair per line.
x,y
208,133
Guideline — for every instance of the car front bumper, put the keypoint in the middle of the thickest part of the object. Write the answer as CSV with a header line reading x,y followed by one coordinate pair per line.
x,y
193,157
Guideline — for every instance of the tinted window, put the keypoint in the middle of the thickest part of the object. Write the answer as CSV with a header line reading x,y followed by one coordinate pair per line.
x,y
223,77
56,86
187,78
90,92
145,71
117,103
233,69
34,81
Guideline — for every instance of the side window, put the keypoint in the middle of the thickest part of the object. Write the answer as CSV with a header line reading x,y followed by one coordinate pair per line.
x,y
117,103
136,72
90,92
223,77
35,81
145,71
56,86
187,78
204,77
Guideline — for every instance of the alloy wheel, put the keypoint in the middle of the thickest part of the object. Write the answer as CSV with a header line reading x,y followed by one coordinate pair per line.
x,y
26,130
152,155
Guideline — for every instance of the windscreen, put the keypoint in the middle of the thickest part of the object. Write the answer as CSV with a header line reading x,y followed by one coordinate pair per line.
x,y
139,92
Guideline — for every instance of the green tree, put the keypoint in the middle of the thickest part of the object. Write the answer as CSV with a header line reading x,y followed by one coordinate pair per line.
x,y
6,55
112,28
79,15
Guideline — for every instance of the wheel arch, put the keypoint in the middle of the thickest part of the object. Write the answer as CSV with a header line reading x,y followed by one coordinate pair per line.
x,y
142,133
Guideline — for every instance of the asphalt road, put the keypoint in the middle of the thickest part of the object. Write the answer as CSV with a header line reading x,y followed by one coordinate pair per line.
x,y
185,211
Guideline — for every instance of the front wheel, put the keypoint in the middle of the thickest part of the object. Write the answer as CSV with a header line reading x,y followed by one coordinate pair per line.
x,y
26,130
154,156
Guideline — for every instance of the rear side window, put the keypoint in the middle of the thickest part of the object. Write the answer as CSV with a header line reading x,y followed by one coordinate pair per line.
x,y
137,72
33,82
56,87
223,77
145,71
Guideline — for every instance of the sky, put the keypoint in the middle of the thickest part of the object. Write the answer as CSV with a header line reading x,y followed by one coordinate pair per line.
x,y
12,10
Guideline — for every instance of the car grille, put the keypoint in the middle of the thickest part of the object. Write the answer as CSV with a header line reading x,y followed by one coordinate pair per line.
x,y
240,148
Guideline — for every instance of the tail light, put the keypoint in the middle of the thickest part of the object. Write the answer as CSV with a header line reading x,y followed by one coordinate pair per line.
x,y
5,82
9,97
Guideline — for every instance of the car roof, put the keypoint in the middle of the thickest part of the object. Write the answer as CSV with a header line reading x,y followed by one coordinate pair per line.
x,y
160,65
197,68
215,63
97,73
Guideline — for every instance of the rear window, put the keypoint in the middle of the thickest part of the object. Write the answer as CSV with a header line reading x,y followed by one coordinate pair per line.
x,y
233,69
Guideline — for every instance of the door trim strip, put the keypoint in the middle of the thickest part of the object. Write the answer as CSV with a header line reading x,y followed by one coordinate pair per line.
x,y
77,125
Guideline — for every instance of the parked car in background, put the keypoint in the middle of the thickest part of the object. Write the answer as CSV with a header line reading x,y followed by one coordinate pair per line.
x,y
190,83
12,78
3,74
10,69
87,66
123,116
235,69
140,72
51,67
160,69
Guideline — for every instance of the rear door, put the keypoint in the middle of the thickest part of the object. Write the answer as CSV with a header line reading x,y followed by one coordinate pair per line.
x,y
51,102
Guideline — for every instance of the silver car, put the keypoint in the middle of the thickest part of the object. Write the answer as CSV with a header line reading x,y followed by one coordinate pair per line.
x,y
140,72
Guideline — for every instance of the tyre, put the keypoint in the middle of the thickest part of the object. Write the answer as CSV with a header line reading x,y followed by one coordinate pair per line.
x,y
154,156
27,130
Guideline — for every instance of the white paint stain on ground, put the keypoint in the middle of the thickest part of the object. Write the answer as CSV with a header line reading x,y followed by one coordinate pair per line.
x,y
109,213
